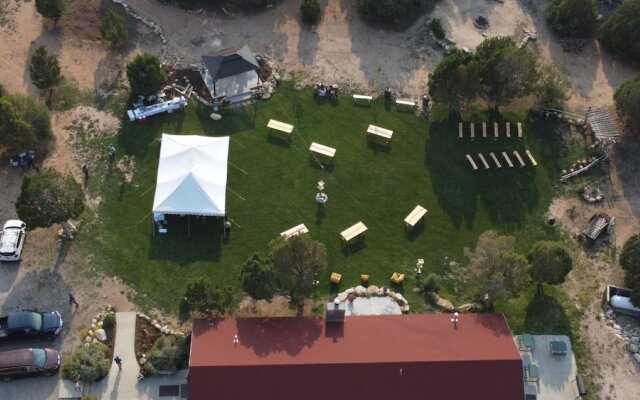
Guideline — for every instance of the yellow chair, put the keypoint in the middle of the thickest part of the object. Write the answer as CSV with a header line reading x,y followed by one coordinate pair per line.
x,y
364,278
397,278
336,277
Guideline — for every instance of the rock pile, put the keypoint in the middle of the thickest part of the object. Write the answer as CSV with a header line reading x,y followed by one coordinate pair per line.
x,y
96,334
628,333
166,329
361,291
152,25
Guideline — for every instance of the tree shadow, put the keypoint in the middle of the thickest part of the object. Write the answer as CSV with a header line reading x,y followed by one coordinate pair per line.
x,y
63,250
545,315
274,335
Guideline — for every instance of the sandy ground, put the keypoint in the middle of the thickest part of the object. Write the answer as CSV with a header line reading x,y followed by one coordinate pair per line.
x,y
340,49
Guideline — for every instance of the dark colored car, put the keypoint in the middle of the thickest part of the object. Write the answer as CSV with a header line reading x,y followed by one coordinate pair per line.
x,y
28,362
27,325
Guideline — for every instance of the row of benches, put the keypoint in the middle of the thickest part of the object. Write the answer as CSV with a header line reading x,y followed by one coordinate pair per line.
x,y
474,166
325,154
496,130
358,230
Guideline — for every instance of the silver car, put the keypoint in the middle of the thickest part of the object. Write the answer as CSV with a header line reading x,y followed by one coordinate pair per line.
x,y
12,240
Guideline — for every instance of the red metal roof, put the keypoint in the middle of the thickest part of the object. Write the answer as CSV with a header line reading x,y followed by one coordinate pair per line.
x,y
405,356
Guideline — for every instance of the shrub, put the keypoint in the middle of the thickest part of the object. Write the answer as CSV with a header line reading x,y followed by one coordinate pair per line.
x,y
108,321
620,33
431,283
87,363
436,27
573,17
167,354
635,297
311,11
112,28
145,74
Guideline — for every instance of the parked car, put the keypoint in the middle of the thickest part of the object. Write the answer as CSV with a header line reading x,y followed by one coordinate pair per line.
x,y
25,325
12,240
27,362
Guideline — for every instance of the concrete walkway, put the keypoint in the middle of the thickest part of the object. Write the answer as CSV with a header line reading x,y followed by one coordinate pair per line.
x,y
124,384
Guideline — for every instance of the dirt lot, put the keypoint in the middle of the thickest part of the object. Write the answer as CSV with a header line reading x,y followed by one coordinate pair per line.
x,y
340,49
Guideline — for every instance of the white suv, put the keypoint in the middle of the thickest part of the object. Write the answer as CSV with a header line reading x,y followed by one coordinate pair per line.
x,y
12,240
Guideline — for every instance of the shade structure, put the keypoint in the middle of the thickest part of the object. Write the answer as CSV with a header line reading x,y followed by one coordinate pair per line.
x,y
192,175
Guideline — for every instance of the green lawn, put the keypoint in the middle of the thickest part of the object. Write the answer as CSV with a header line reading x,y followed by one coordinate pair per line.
x,y
272,188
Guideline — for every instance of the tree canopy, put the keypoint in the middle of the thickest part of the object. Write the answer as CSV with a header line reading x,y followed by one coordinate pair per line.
x,y
495,269
113,29
627,99
573,17
44,69
550,263
620,33
49,197
552,88
24,123
145,75
258,278
506,71
51,9
311,11
87,363
630,255
207,299
455,81
635,297
298,261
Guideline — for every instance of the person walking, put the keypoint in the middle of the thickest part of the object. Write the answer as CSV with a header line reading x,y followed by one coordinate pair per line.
x,y
112,152
72,300
118,361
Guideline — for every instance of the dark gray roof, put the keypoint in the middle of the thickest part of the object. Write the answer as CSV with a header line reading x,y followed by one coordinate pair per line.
x,y
230,61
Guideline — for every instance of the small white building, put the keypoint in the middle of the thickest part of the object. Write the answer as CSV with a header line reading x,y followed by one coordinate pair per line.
x,y
231,73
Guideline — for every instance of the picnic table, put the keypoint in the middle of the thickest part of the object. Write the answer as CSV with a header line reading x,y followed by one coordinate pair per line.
x,y
558,348
473,163
353,233
326,152
414,217
296,230
486,164
533,161
495,160
507,159
382,133
526,342
280,128
515,153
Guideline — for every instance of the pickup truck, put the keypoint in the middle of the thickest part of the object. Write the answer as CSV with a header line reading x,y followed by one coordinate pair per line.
x,y
25,325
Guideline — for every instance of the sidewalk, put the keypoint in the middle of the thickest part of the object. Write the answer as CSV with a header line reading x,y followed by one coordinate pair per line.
x,y
123,384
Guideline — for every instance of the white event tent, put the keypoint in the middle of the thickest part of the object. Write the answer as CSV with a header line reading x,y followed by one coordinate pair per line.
x,y
192,175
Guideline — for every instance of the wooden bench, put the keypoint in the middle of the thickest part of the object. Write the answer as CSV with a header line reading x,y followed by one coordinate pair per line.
x,y
405,103
353,233
473,163
322,152
515,153
359,98
507,159
280,129
473,131
383,134
414,217
296,230
519,130
486,164
460,130
495,160
508,130
496,131
533,161
484,130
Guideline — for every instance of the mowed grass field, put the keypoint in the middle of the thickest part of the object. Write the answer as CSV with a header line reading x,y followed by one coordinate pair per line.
x,y
272,187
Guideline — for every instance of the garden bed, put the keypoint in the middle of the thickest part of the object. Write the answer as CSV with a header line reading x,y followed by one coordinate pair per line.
x,y
146,335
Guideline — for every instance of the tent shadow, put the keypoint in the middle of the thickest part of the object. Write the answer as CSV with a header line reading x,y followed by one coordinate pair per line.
x,y
188,239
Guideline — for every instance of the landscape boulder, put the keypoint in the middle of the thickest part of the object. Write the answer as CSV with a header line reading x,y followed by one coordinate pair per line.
x,y
101,335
